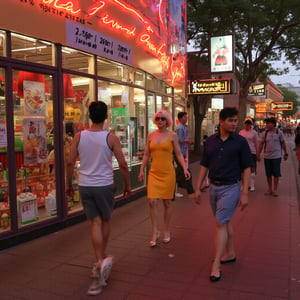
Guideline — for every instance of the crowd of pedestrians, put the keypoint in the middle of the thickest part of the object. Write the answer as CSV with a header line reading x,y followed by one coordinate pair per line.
x,y
228,168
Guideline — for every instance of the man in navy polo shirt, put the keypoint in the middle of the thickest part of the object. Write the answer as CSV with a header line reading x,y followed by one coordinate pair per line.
x,y
227,159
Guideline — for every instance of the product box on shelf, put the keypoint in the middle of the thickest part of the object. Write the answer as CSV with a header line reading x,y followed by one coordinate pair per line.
x,y
50,203
27,207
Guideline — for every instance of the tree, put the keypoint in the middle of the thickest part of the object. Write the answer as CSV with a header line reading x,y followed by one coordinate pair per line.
x,y
289,96
264,32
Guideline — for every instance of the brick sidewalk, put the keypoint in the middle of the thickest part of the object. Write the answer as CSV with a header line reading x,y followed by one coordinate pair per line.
x,y
267,241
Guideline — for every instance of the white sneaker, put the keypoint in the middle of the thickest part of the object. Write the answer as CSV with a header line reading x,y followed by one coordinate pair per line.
x,y
178,195
252,189
106,267
96,287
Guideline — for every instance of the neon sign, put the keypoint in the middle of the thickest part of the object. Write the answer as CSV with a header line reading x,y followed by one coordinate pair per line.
x,y
65,5
146,38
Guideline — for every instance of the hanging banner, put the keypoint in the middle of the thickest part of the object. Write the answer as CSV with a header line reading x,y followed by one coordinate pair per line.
x,y
221,53
34,98
35,142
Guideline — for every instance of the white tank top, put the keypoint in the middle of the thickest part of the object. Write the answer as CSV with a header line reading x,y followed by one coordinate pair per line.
x,y
95,159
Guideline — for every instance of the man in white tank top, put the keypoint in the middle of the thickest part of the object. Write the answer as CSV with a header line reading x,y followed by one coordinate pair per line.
x,y
95,147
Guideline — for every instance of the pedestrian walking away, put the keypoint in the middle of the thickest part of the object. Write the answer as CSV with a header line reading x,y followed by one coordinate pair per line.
x,y
182,132
272,142
161,179
227,159
95,147
252,138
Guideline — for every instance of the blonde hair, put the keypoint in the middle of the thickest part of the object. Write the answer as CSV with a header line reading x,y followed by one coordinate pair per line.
x,y
164,114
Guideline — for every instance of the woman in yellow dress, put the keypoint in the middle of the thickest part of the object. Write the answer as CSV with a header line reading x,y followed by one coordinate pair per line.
x,y
161,178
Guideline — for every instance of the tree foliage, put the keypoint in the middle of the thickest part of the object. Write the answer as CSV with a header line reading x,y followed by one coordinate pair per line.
x,y
264,32
289,96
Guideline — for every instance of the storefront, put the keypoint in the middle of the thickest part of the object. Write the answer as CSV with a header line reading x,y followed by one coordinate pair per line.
x,y
54,60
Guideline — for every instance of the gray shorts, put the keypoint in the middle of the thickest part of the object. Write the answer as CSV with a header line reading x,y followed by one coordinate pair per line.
x,y
224,200
98,201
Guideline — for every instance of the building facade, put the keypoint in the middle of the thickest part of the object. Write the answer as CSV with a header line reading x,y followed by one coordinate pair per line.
x,y
56,56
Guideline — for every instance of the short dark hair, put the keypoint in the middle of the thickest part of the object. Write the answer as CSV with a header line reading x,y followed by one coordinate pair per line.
x,y
228,112
271,120
181,114
98,111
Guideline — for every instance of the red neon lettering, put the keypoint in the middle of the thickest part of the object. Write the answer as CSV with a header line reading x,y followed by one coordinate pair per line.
x,y
145,39
93,10
131,10
115,25
64,4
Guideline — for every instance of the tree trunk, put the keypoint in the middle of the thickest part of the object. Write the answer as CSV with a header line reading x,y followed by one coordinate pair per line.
x,y
242,108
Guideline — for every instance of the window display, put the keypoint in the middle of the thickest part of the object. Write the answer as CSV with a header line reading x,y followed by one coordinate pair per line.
x,y
33,127
4,198
77,95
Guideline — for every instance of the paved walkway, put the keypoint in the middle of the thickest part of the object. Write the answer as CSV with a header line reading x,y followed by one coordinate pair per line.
x,y
267,240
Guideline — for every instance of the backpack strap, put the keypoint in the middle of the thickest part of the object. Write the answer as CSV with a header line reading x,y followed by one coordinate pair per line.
x,y
265,140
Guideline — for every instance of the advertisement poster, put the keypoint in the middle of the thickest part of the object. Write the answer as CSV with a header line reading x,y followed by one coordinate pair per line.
x,y
3,136
35,142
34,98
120,116
104,94
221,53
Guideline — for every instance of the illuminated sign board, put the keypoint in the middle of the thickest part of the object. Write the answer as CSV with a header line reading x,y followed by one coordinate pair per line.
x,y
256,89
89,40
261,107
221,54
132,32
282,106
210,86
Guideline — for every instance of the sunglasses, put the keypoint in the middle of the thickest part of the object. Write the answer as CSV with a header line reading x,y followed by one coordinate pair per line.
x,y
160,118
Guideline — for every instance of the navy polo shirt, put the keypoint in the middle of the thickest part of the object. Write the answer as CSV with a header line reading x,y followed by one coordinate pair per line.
x,y
226,160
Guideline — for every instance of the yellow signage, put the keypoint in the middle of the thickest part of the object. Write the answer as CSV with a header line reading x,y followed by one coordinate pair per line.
x,y
282,105
210,86
261,107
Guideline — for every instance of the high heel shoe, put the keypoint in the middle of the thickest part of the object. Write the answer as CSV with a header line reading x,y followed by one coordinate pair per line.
x,y
167,238
153,242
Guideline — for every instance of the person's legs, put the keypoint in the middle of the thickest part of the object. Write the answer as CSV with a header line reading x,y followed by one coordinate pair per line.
x,y
167,219
220,245
105,235
153,215
189,186
97,237
269,181
276,181
230,253
276,174
268,171
224,200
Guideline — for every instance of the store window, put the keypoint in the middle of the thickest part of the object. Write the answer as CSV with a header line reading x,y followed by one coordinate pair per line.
x,y
139,78
126,119
151,112
78,93
159,104
167,104
2,43
4,195
33,50
78,61
33,132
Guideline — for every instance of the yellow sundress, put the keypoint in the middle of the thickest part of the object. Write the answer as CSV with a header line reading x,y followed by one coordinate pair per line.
x,y
161,179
